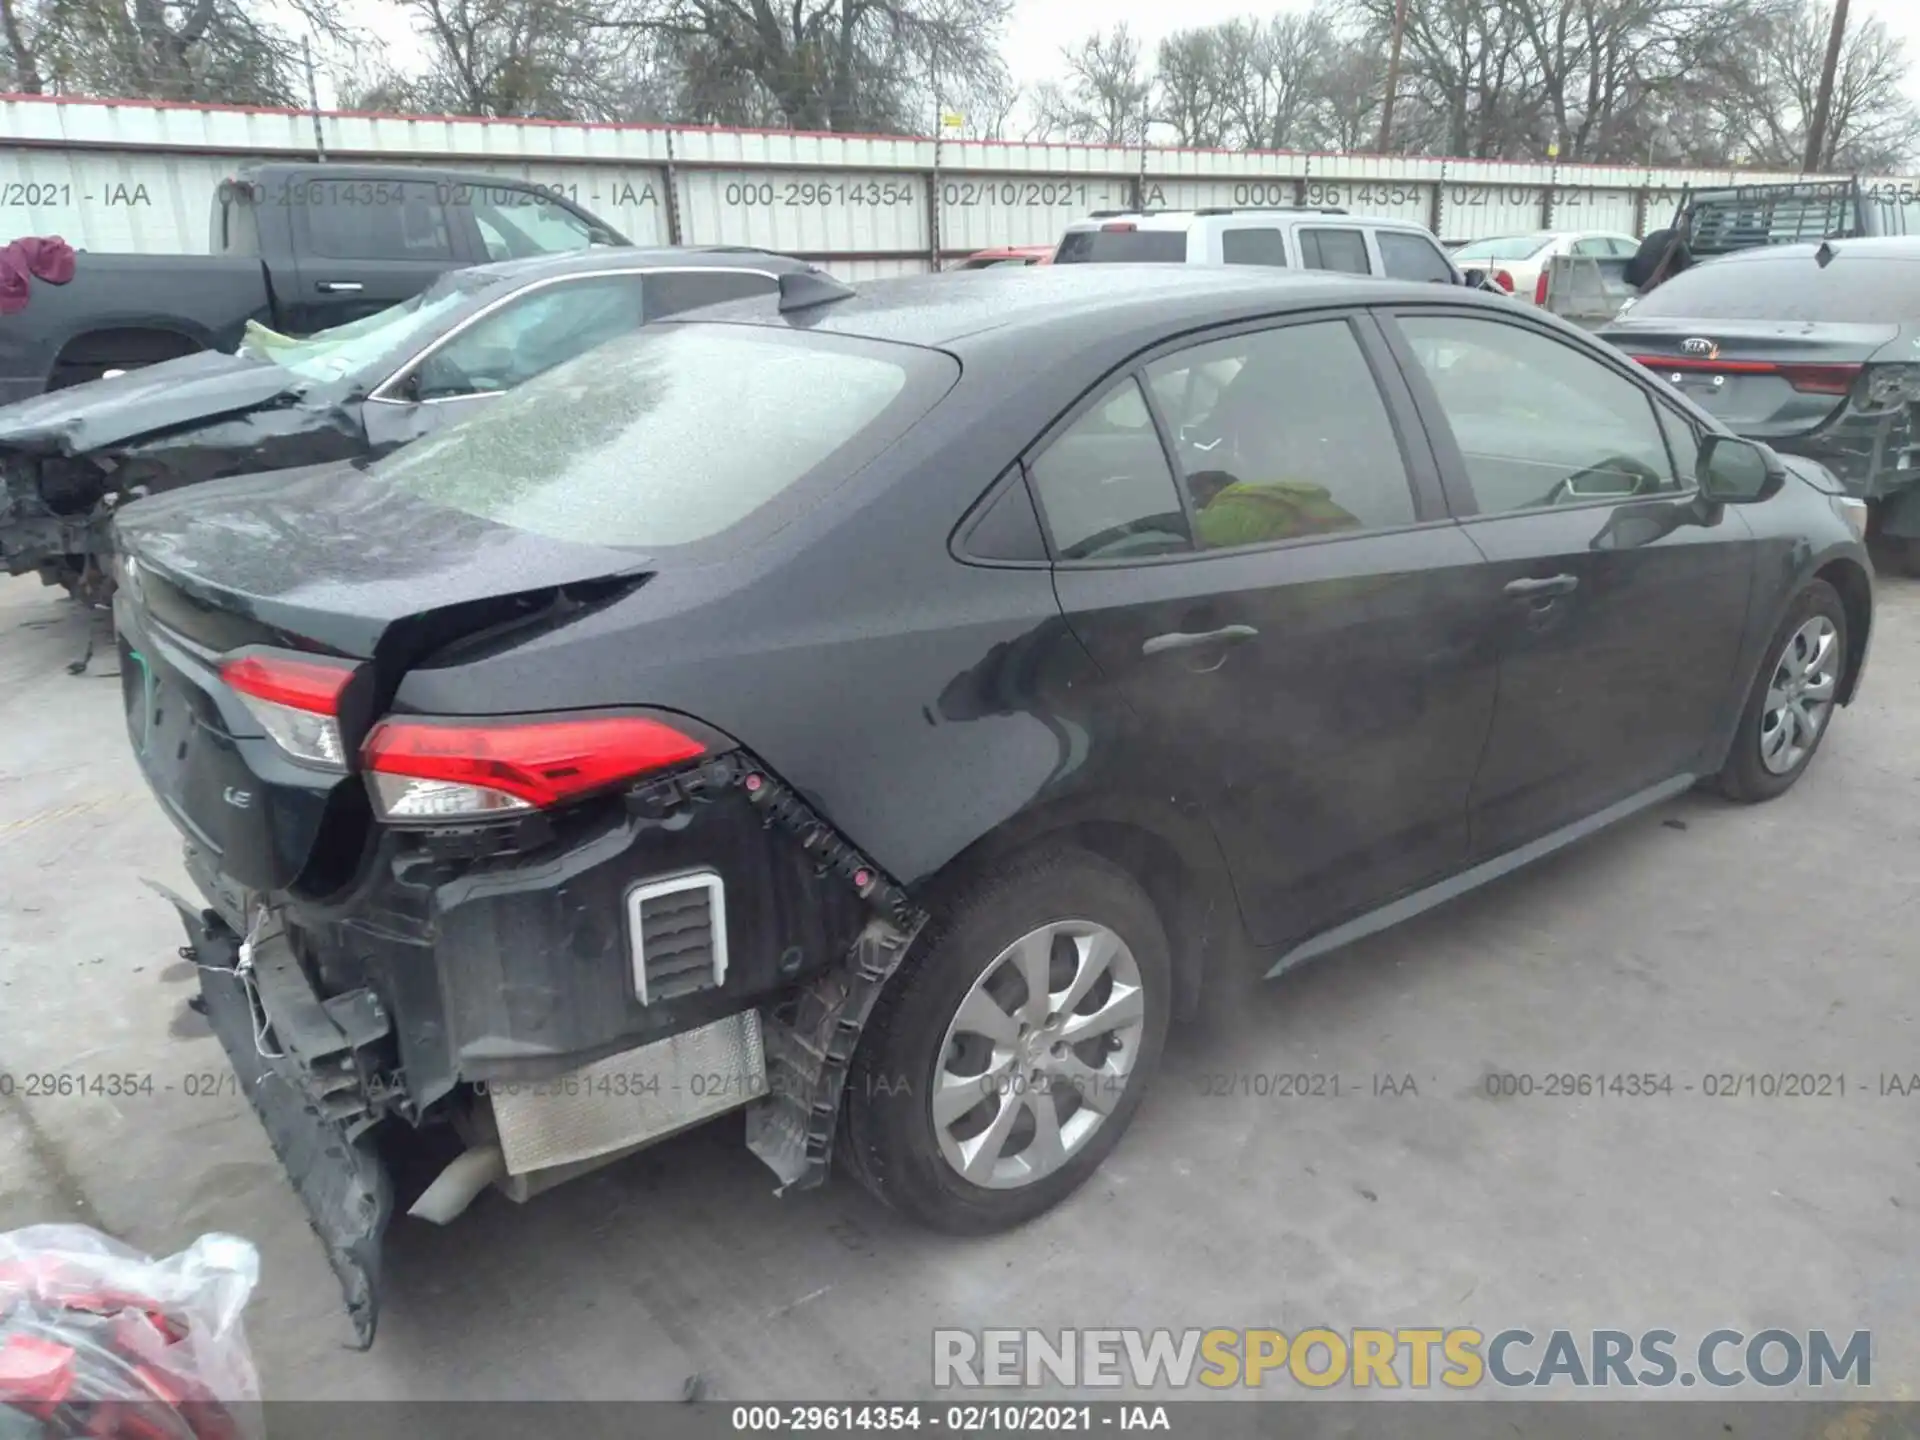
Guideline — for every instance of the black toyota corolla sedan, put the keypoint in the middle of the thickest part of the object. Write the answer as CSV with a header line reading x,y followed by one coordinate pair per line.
x,y
885,711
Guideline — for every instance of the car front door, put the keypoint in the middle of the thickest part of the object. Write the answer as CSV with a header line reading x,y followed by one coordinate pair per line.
x,y
1619,598
1251,542
501,347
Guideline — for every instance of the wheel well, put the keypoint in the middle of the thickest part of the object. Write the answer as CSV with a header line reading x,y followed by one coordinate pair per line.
x,y
1195,910
139,345
1855,597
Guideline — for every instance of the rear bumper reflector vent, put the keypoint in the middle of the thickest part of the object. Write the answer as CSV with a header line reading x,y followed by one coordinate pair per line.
x,y
678,932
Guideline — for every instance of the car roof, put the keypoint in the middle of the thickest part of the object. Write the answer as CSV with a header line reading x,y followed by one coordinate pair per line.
x,y
1545,235
639,257
1089,304
1863,247
1181,219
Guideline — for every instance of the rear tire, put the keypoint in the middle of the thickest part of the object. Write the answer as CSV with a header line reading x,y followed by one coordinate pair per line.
x,y
993,1161
1793,700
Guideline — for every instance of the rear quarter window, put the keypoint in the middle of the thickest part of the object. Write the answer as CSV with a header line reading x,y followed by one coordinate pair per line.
x,y
676,433
1858,290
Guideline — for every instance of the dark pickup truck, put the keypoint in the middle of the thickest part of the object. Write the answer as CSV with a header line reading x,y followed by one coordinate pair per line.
x,y
298,247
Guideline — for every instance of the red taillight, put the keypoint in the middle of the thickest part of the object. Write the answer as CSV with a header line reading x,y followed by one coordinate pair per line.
x,y
296,701
1808,379
1120,225
1821,379
311,685
1503,280
1540,288
453,769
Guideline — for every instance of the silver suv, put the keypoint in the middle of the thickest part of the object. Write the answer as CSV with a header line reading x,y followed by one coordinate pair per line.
x,y
1298,239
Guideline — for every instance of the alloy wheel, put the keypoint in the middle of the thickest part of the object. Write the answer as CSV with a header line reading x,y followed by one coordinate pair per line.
x,y
1800,696
1038,1054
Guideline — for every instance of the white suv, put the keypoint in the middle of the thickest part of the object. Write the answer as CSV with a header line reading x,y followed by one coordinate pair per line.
x,y
1296,239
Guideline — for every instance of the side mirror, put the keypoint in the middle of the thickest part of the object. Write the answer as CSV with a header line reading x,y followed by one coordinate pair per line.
x,y
1734,471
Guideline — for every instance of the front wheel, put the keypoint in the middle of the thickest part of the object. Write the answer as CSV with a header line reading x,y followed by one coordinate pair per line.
x,y
1004,1063
1793,698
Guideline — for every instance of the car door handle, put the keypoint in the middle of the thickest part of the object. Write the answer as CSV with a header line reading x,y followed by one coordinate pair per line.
x,y
1532,589
1197,640
339,287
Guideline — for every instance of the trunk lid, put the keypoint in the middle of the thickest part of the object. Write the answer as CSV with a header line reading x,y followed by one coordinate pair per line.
x,y
328,563
194,388
1769,379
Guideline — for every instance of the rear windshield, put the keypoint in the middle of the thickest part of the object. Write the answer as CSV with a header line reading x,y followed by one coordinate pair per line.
x,y
1866,290
1138,247
1511,247
673,434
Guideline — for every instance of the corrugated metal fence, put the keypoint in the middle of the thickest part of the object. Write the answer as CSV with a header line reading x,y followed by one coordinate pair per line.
x,y
133,176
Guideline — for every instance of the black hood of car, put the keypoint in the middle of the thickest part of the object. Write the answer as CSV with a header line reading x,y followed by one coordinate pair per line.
x,y
339,556
191,390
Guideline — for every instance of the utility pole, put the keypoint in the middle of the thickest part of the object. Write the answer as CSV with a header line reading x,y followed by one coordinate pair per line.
x,y
313,101
1393,77
1823,97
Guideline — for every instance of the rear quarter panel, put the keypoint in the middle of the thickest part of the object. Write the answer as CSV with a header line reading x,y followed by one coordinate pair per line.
x,y
208,299
919,702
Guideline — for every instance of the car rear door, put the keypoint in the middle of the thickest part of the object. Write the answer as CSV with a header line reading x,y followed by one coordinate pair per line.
x,y
1259,557
364,244
1618,599
1334,247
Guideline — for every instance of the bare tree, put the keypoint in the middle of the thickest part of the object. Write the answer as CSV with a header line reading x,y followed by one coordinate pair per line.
x,y
1105,98
197,50
1757,100
990,106
830,64
19,70
511,58
1197,73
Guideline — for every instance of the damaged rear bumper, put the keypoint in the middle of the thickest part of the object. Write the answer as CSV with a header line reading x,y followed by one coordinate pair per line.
x,y
538,1007
298,1061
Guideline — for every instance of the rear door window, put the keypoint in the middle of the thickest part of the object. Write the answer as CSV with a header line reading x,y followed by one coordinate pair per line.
x,y
1282,434
1263,246
1325,248
1412,257
1138,247
375,220
617,447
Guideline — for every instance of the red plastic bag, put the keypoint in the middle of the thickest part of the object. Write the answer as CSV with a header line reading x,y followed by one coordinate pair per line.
x,y
99,1340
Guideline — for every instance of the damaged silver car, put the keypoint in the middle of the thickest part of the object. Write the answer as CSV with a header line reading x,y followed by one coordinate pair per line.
x,y
70,457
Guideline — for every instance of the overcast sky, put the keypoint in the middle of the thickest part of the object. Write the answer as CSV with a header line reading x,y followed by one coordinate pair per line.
x,y
1039,29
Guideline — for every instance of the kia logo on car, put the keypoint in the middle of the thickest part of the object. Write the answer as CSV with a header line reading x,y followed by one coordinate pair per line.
x,y
1699,346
